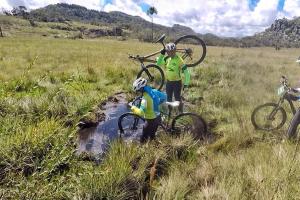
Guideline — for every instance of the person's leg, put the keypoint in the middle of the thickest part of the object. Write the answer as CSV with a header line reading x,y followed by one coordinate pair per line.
x,y
156,123
145,136
177,86
150,129
177,94
169,90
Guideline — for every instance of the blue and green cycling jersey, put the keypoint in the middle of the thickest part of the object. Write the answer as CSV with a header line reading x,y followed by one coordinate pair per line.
x,y
149,108
174,67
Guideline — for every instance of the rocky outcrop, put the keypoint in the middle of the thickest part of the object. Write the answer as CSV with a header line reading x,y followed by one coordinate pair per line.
x,y
282,33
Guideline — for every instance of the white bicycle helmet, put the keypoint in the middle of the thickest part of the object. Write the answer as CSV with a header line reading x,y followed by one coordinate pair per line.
x,y
139,83
170,47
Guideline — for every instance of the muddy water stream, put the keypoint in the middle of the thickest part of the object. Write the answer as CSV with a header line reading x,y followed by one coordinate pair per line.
x,y
95,139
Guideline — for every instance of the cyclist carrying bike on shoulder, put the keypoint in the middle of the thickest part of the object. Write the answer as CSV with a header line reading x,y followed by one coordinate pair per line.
x,y
174,67
149,108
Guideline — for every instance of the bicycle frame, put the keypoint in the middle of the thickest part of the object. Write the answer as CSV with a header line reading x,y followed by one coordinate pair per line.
x,y
286,97
150,55
161,40
146,58
291,105
147,71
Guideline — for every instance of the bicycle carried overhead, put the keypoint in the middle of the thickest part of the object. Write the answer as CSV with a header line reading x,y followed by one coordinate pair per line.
x,y
272,116
190,47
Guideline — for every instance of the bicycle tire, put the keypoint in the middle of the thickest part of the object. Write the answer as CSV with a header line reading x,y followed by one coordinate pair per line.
x,y
292,130
158,71
258,108
201,43
130,125
198,127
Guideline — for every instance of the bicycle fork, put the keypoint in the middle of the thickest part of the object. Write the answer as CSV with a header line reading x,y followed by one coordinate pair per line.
x,y
274,112
147,72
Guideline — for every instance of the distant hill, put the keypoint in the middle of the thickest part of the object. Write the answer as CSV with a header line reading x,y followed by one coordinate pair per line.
x,y
283,32
137,26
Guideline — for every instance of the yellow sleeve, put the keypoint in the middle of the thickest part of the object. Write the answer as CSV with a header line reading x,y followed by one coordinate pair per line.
x,y
140,111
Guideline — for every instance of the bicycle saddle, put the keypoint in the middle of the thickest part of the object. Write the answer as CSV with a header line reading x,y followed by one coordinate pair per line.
x,y
161,39
173,104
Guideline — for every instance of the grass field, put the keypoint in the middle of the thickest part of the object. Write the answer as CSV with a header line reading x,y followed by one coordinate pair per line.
x,y
48,85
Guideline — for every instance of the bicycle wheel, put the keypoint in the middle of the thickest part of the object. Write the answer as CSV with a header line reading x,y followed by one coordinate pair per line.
x,y
192,49
130,126
154,75
190,123
268,117
292,130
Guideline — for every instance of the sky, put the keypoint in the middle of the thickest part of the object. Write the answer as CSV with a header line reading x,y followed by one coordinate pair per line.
x,y
229,18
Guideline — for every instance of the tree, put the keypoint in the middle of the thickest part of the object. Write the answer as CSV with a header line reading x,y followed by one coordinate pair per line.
x,y
20,11
1,34
151,11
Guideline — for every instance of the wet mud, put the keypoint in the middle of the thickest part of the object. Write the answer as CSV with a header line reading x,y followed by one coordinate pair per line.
x,y
94,137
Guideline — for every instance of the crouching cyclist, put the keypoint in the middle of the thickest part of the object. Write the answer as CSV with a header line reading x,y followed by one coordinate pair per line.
x,y
174,68
149,108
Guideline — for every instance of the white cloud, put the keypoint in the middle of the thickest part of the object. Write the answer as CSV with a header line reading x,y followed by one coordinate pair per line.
x,y
128,6
4,5
292,8
220,17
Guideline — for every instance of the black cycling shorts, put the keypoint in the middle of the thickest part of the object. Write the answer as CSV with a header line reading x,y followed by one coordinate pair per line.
x,y
173,88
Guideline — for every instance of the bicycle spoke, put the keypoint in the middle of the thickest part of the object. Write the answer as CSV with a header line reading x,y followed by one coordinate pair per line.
x,y
184,56
191,49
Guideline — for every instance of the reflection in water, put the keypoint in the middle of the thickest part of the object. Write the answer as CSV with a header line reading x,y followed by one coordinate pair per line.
x,y
96,139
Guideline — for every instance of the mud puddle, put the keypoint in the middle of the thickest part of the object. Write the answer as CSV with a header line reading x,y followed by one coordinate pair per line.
x,y
95,137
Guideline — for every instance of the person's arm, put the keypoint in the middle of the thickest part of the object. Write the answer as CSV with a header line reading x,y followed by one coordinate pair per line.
x,y
186,73
160,60
162,97
141,110
187,76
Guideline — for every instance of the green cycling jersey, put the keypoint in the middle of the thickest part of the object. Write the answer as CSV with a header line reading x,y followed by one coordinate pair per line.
x,y
174,67
146,110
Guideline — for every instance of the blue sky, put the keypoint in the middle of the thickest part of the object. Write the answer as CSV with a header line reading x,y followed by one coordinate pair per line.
x,y
253,4
234,18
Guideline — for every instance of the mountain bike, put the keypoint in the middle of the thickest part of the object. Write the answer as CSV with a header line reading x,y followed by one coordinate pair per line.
x,y
271,116
190,47
131,124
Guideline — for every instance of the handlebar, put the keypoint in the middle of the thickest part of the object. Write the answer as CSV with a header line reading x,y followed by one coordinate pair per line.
x,y
284,81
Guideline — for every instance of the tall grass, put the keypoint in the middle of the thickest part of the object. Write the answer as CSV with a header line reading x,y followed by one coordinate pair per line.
x,y
48,85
